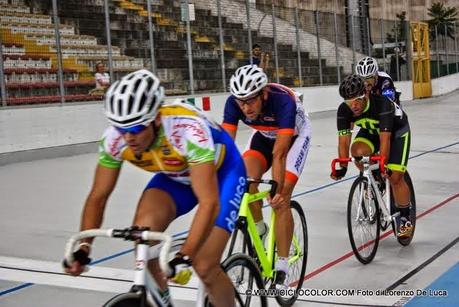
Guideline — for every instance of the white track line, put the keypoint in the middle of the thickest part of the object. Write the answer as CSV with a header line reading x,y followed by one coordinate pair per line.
x,y
47,270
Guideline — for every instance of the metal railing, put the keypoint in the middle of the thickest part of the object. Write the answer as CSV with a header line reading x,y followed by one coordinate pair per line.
x,y
48,53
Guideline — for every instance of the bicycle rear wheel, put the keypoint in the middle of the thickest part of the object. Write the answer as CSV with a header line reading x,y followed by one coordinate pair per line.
x,y
246,279
409,182
363,220
298,256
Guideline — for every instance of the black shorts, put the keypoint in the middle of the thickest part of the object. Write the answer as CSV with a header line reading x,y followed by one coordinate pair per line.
x,y
261,147
399,146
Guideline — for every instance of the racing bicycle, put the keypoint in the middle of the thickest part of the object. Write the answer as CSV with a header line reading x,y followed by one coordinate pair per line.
x,y
371,207
246,240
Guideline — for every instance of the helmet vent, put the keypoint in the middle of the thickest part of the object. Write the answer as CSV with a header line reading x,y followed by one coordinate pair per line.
x,y
119,105
136,85
130,105
142,101
112,102
152,104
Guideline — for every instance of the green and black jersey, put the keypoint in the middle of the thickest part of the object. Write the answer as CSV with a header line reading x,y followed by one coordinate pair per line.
x,y
378,116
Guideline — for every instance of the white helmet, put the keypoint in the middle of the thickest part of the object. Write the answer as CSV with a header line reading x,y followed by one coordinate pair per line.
x,y
134,100
366,67
247,81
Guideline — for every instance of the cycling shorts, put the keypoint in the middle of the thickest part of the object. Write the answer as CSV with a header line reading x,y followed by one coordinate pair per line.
x,y
399,146
261,147
231,184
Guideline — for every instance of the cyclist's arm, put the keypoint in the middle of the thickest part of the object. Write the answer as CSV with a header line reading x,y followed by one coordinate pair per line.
x,y
104,182
344,124
231,117
384,139
344,144
205,186
232,131
93,211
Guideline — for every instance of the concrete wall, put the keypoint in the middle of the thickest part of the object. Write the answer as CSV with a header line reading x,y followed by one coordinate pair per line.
x,y
445,84
316,99
33,128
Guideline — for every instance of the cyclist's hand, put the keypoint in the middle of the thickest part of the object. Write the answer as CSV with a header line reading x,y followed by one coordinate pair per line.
x,y
180,269
339,173
78,266
278,201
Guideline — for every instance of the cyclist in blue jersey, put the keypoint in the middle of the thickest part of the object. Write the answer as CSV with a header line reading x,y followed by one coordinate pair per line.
x,y
195,161
280,141
378,82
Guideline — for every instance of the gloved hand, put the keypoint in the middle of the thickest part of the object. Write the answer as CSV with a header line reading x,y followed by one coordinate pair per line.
x,y
339,173
80,260
180,269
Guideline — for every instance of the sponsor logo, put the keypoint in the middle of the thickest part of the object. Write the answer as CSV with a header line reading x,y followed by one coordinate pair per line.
x,y
269,119
235,203
113,148
301,156
173,162
197,131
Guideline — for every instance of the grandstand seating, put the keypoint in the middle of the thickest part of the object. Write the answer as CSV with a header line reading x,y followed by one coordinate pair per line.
x,y
30,57
30,52
129,31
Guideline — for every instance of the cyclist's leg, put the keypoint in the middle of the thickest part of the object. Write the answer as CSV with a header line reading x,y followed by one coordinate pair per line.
x,y
296,159
364,144
398,160
284,228
207,265
232,184
162,201
257,160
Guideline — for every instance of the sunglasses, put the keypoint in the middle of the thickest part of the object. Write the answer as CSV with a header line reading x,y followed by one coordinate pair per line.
x,y
132,130
358,99
248,101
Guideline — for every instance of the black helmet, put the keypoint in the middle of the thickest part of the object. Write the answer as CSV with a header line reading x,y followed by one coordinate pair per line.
x,y
352,86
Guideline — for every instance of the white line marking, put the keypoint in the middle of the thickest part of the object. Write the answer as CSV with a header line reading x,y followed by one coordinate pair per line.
x,y
104,285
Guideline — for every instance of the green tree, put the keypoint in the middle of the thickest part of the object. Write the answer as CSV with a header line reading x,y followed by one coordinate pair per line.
x,y
398,28
441,16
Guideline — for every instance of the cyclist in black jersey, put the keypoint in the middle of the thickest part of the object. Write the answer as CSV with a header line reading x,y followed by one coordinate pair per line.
x,y
381,130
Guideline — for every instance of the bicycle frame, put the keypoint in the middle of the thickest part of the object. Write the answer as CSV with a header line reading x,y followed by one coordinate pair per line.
x,y
265,256
367,168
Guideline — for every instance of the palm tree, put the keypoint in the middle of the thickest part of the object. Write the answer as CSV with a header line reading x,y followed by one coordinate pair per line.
x,y
442,16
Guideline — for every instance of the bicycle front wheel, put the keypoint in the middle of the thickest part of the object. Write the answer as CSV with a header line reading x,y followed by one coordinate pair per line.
x,y
126,300
246,279
240,241
363,221
298,256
